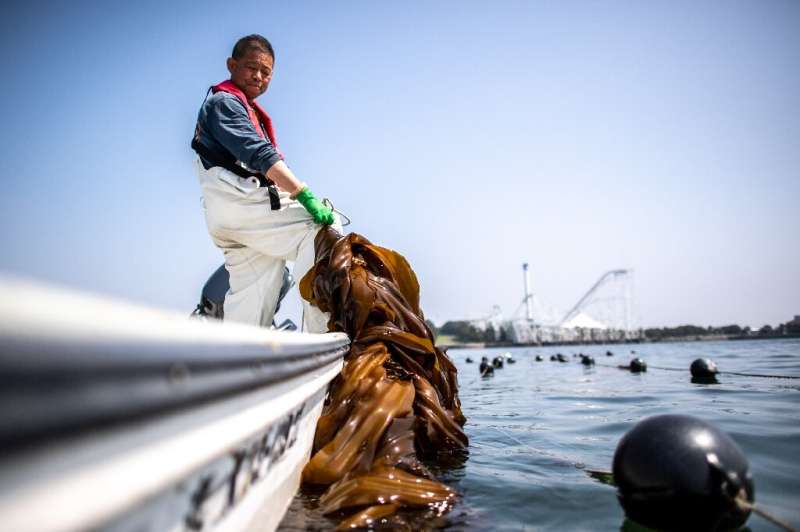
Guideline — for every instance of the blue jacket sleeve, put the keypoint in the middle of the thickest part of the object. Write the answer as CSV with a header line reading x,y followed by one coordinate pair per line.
x,y
228,123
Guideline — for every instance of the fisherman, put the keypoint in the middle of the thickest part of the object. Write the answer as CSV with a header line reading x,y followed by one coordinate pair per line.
x,y
257,211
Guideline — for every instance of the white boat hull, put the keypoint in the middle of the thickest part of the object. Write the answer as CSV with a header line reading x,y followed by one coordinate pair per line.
x,y
217,444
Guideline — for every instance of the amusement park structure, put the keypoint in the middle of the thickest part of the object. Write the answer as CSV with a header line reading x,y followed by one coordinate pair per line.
x,y
605,313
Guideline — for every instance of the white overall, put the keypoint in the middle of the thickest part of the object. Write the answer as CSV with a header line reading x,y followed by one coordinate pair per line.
x,y
257,242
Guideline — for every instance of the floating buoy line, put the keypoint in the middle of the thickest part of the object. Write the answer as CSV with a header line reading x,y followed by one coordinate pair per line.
x,y
735,507
701,472
725,497
703,370
750,507
720,373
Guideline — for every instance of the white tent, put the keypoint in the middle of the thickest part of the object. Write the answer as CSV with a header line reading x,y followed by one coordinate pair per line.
x,y
583,321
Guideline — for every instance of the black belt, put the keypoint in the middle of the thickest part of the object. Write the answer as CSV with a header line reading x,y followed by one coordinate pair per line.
x,y
231,166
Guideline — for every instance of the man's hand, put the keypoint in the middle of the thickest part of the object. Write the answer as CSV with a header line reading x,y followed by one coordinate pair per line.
x,y
284,178
322,214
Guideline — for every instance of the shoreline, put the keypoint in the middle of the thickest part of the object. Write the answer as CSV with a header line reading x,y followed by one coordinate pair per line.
x,y
710,338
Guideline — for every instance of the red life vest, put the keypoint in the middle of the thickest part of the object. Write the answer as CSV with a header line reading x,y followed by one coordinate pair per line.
x,y
257,114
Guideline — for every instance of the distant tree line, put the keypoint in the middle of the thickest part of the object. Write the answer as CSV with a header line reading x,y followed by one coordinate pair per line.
x,y
691,331
465,332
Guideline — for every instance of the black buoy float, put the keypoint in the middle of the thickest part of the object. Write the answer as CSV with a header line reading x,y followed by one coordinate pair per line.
x,y
637,365
497,362
485,368
469,360
609,354
508,358
676,472
704,371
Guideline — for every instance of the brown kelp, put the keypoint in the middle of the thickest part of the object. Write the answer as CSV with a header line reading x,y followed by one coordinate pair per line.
x,y
396,398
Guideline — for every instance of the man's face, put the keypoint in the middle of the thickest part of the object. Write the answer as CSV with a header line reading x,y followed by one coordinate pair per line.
x,y
252,72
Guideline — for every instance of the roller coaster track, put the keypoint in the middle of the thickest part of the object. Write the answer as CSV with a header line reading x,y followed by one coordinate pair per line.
x,y
590,296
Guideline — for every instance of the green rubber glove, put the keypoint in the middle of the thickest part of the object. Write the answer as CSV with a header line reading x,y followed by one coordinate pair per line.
x,y
321,213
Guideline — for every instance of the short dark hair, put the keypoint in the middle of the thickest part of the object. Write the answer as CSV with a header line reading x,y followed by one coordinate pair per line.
x,y
250,42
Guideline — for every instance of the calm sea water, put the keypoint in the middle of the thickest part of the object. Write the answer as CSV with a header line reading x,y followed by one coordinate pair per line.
x,y
536,427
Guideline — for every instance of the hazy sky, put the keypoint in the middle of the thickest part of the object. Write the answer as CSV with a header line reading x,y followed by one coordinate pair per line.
x,y
469,136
